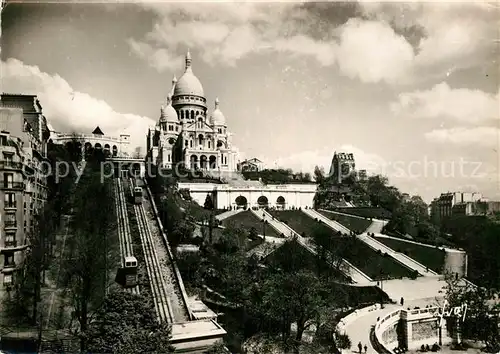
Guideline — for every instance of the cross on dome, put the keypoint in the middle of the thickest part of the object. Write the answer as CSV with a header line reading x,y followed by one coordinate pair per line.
x,y
188,60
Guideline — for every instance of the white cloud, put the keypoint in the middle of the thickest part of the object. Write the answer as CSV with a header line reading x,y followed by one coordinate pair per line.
x,y
479,136
373,52
64,107
441,101
161,59
452,33
323,52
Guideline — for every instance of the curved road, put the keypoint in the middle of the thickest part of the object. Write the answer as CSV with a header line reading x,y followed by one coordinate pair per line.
x,y
359,329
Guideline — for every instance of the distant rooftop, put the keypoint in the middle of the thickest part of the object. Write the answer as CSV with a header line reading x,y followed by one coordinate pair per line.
x,y
97,131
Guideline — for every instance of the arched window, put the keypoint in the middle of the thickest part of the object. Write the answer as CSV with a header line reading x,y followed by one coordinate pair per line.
x,y
190,143
182,114
200,139
209,146
192,114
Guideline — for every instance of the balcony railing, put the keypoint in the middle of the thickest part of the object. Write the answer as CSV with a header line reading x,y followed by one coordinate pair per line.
x,y
9,264
10,223
11,185
11,244
11,164
11,206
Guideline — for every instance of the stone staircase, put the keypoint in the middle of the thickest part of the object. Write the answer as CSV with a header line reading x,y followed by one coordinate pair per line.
x,y
331,223
265,248
376,226
349,270
228,214
400,257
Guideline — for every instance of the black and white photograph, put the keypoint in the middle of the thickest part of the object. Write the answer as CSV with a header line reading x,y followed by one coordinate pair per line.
x,y
223,177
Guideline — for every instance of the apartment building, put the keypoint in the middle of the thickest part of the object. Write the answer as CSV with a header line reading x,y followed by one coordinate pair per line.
x,y
458,203
23,179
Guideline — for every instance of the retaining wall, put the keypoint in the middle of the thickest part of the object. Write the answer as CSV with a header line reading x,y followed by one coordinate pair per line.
x,y
170,254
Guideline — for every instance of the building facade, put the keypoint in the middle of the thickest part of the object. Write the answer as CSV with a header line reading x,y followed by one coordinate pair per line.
x,y
251,165
343,164
23,183
253,194
186,134
112,146
457,203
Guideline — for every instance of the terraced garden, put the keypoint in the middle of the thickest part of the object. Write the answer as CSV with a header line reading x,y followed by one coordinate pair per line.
x,y
299,221
429,256
246,220
353,223
362,256
368,212
374,264
218,234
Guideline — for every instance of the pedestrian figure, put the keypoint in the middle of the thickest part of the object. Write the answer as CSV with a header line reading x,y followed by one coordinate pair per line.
x,y
366,348
402,301
360,347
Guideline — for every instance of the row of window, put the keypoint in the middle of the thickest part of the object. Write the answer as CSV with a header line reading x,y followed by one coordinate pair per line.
x,y
189,98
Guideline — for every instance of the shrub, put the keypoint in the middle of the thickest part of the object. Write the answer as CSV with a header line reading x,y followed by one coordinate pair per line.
x,y
342,341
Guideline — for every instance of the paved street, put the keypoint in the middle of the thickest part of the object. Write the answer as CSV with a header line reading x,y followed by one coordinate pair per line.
x,y
359,329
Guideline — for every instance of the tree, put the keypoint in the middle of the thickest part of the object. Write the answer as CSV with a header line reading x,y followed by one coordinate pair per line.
x,y
209,203
176,222
482,322
91,254
319,174
292,297
342,341
126,323
328,251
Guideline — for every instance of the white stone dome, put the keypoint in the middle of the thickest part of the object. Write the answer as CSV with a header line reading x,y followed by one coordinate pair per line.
x,y
188,83
168,113
217,117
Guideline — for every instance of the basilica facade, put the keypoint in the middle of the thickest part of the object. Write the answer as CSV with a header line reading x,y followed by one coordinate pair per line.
x,y
187,134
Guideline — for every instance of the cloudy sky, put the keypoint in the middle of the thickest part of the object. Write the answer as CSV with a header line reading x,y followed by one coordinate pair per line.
x,y
411,89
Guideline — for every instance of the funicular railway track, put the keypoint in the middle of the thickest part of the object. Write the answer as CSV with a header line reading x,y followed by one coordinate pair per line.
x,y
164,287
124,235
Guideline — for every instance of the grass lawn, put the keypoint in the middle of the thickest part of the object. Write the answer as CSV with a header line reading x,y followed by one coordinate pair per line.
x,y
428,256
353,223
299,221
372,263
246,220
368,212
362,256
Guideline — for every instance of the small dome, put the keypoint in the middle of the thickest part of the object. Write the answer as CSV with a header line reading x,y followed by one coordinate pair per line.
x,y
188,84
217,117
168,113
